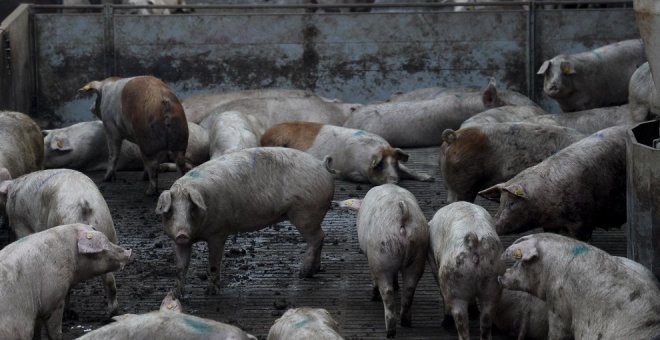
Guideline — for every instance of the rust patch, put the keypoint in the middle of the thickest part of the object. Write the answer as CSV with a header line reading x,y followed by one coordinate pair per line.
x,y
469,143
296,135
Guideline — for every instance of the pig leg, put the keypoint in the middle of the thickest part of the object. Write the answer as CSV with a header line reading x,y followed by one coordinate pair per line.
x,y
151,166
488,298
54,322
309,225
216,250
387,295
180,159
459,310
114,149
557,329
410,276
407,173
182,262
110,293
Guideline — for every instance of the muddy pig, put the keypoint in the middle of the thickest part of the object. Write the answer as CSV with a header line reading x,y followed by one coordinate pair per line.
x,y
61,257
142,110
356,155
245,191
83,147
169,323
504,114
588,121
420,123
589,293
48,198
464,252
305,323
581,187
394,234
231,131
475,158
642,95
592,79
22,148
522,315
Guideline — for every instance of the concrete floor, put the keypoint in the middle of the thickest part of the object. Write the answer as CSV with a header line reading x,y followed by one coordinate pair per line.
x,y
260,270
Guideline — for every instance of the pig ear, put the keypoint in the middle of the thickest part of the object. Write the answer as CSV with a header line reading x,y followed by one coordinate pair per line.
x,y
489,96
351,203
493,193
375,160
90,241
400,155
516,190
525,252
4,175
164,202
544,67
567,68
170,304
449,136
197,199
60,143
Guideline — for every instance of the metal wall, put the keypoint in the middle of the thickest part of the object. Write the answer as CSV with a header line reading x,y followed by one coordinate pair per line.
x,y
16,71
356,57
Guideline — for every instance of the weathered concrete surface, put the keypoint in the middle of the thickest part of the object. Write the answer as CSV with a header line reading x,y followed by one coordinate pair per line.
x,y
643,204
16,71
259,270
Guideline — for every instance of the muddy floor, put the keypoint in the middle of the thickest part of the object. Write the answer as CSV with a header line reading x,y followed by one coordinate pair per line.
x,y
260,270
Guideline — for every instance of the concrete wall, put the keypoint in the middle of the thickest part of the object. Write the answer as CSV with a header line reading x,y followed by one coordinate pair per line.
x,y
16,69
356,57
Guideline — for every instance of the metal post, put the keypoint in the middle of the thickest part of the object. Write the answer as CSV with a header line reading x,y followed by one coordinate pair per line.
x,y
531,49
109,40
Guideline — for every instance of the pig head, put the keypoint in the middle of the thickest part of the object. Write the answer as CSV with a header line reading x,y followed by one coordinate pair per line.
x,y
525,275
557,82
97,255
384,166
182,209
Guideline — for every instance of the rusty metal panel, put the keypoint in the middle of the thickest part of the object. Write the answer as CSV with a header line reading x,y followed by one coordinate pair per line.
x,y
565,32
70,52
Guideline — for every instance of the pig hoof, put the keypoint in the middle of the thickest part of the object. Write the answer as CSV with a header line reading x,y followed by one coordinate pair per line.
x,y
112,310
448,322
391,333
109,178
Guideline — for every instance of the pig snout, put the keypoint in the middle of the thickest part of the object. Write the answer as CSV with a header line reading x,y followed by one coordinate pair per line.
x,y
182,238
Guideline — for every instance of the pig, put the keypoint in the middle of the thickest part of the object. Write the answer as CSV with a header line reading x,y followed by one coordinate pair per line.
x,y
394,235
592,79
22,145
168,323
475,158
244,191
579,188
39,270
420,123
522,315
44,199
198,107
356,155
142,110
642,95
504,114
588,121
464,252
589,293
231,131
271,111
83,147
305,323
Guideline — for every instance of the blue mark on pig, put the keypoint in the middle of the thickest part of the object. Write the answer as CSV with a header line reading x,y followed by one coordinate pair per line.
x,y
193,174
197,325
599,135
301,323
580,250
359,133
598,56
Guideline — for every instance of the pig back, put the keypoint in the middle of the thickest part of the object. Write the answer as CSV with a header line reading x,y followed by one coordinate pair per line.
x,y
504,114
22,144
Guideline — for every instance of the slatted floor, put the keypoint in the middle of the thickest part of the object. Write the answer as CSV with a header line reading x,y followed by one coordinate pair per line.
x,y
260,269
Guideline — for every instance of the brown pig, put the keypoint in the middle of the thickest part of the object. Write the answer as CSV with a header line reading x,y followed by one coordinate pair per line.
x,y
142,110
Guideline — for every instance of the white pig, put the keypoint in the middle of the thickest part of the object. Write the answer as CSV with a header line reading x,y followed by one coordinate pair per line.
x,y
394,234
231,131
522,315
642,95
40,269
588,121
356,155
305,323
245,191
21,151
464,252
504,114
590,294
83,147
48,198
168,323
420,123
